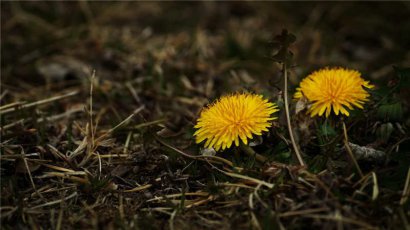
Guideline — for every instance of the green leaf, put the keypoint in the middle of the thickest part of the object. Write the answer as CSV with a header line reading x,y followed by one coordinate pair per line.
x,y
327,130
390,112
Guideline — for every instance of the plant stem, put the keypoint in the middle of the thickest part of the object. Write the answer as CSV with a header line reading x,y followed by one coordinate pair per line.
x,y
285,96
349,150
248,150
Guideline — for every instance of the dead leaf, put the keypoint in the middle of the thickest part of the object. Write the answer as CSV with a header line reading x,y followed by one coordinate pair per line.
x,y
301,105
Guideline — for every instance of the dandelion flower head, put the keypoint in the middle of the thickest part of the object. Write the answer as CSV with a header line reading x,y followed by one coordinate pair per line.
x,y
333,89
233,118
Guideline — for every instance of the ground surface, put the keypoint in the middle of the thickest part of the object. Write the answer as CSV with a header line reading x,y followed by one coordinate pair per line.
x,y
116,150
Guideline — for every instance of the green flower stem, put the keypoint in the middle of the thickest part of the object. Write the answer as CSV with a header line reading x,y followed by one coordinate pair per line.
x,y
250,152
349,150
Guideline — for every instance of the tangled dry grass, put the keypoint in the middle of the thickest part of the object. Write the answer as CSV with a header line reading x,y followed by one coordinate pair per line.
x,y
99,100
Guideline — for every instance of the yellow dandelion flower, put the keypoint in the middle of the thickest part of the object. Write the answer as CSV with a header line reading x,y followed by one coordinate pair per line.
x,y
333,88
233,118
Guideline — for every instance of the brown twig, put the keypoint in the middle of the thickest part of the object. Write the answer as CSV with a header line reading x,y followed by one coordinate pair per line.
x,y
292,138
203,158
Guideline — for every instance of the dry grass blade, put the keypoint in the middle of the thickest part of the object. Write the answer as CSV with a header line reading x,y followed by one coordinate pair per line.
x,y
290,129
6,211
60,219
133,92
203,158
320,183
91,107
79,150
58,168
227,184
13,104
349,151
303,212
403,218
200,202
29,174
125,121
41,102
375,193
159,209
8,126
90,143
127,143
139,188
254,221
178,195
171,219
66,175
146,124
3,94
56,117
246,178
18,156
99,156
406,190
57,153
53,202
48,119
